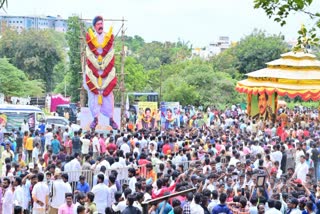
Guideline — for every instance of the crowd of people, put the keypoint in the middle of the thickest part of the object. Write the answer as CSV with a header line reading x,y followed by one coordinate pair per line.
x,y
233,164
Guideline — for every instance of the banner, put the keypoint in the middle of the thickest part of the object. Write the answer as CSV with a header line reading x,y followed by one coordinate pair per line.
x,y
263,106
170,115
148,115
13,120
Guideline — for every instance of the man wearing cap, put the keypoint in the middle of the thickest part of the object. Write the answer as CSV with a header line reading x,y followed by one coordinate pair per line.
x,y
57,192
99,78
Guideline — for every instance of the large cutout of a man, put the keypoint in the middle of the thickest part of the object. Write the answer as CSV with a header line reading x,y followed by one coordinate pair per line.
x,y
265,111
99,76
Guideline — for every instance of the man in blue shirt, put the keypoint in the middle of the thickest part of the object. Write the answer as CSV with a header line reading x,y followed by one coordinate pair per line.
x,y
55,144
222,207
83,186
42,127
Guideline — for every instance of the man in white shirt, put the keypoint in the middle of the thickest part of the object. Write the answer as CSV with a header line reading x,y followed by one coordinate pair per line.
x,y
195,206
95,146
40,196
120,140
209,183
302,169
299,153
85,144
234,160
65,135
125,147
7,198
272,209
57,192
102,172
18,195
112,189
101,193
214,202
48,138
132,179
24,126
276,155
75,167
67,165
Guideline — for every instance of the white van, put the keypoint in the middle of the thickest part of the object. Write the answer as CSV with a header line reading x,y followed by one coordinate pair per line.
x,y
12,116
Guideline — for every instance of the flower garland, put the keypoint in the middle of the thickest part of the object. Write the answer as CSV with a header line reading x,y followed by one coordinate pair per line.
x,y
94,40
91,85
94,80
107,88
107,60
105,50
100,61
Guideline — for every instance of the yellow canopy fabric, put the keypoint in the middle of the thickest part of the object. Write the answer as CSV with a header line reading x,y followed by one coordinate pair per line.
x,y
294,74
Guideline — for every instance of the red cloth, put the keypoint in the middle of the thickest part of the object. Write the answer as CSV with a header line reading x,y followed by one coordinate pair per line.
x,y
143,169
46,158
59,138
284,136
160,193
279,131
112,148
166,149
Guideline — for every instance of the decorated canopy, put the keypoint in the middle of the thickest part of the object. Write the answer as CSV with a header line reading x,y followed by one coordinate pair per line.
x,y
294,74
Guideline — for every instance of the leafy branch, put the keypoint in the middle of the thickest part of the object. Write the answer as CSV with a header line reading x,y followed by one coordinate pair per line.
x,y
280,9
3,2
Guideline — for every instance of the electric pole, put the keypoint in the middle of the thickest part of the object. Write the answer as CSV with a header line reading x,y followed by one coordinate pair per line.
x,y
122,87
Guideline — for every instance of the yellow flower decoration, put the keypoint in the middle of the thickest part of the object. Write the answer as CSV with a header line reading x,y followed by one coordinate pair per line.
x,y
94,39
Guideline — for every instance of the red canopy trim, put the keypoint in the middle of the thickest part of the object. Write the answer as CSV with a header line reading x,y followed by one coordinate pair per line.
x,y
305,95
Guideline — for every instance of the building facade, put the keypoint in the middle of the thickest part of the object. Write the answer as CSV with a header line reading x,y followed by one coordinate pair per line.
x,y
214,48
21,23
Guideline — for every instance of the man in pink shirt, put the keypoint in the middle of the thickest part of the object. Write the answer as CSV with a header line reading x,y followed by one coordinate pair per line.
x,y
103,146
67,207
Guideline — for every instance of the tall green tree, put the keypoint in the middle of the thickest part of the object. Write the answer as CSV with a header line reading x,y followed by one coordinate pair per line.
x,y
74,77
135,78
34,52
14,82
254,50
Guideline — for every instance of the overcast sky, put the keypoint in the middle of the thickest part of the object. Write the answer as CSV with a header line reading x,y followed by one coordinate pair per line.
x,y
197,21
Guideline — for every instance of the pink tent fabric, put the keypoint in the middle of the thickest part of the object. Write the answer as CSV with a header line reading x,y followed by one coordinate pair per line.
x,y
58,100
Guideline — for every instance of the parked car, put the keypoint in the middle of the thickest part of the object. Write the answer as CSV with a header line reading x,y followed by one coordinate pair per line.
x,y
60,121
70,108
